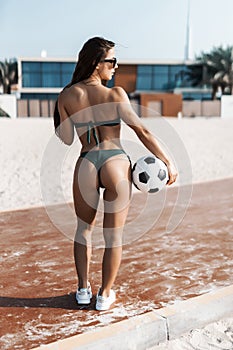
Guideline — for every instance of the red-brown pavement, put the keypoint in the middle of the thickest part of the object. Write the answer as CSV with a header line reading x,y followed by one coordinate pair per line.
x,y
38,278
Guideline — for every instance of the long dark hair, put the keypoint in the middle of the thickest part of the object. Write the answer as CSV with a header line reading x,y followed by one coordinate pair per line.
x,y
90,55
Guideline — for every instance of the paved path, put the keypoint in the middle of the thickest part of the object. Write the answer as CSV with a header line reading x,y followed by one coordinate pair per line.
x,y
38,278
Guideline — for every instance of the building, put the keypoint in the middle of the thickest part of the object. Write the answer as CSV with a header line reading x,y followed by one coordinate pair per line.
x,y
41,79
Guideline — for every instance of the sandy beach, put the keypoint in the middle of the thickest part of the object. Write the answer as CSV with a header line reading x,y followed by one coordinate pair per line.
x,y
204,153
201,147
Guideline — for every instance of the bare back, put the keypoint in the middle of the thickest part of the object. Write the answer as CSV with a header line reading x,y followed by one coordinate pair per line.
x,y
93,106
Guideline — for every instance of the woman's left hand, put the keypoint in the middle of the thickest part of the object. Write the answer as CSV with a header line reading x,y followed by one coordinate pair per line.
x,y
172,174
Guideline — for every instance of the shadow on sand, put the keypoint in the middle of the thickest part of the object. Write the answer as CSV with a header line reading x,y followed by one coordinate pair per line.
x,y
66,301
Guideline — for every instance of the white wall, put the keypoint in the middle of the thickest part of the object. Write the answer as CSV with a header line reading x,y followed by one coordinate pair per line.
x,y
8,104
227,106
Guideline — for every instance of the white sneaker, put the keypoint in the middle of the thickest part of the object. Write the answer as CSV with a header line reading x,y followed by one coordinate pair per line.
x,y
104,303
84,295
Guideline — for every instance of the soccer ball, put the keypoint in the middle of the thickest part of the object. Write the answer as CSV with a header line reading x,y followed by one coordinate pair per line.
x,y
149,174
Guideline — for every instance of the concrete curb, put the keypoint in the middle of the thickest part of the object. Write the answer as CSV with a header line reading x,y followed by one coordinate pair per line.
x,y
197,312
150,329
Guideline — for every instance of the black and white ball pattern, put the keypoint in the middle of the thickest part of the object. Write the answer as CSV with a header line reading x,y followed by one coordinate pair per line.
x,y
149,174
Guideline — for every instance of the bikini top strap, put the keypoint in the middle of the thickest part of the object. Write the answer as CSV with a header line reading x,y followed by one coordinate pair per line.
x,y
91,126
98,123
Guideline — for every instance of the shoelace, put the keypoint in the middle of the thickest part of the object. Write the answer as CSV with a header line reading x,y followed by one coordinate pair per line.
x,y
83,290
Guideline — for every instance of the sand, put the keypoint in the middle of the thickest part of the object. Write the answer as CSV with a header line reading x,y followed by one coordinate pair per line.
x,y
215,336
201,147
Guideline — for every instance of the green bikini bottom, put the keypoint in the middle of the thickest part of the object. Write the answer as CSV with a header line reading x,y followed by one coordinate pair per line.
x,y
98,158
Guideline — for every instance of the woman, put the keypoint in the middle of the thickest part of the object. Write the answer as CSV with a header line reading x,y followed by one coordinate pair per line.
x,y
95,112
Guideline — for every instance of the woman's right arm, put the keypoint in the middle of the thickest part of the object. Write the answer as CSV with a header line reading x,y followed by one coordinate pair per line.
x,y
65,130
128,115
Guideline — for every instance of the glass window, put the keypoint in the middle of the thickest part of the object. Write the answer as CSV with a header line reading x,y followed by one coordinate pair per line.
x,y
160,77
32,80
160,82
176,69
65,79
50,67
47,74
31,74
196,96
30,67
177,76
35,96
67,67
144,77
51,74
160,69
111,83
144,82
67,70
51,80
144,69
25,79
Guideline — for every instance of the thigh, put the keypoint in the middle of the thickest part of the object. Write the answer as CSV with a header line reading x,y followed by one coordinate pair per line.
x,y
116,177
85,191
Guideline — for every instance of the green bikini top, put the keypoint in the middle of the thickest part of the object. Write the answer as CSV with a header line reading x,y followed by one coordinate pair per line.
x,y
91,127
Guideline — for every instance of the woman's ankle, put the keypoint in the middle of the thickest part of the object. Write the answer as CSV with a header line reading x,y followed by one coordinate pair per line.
x,y
83,284
104,292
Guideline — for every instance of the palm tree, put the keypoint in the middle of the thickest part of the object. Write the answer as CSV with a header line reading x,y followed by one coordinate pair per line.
x,y
8,75
214,69
194,73
219,63
4,113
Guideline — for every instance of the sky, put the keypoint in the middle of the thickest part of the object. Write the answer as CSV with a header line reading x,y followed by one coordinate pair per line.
x,y
141,29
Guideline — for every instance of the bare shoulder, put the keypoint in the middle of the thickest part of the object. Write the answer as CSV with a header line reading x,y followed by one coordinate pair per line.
x,y
118,94
76,89
61,97
72,91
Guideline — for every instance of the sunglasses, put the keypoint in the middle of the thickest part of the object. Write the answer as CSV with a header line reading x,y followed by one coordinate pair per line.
x,y
111,60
